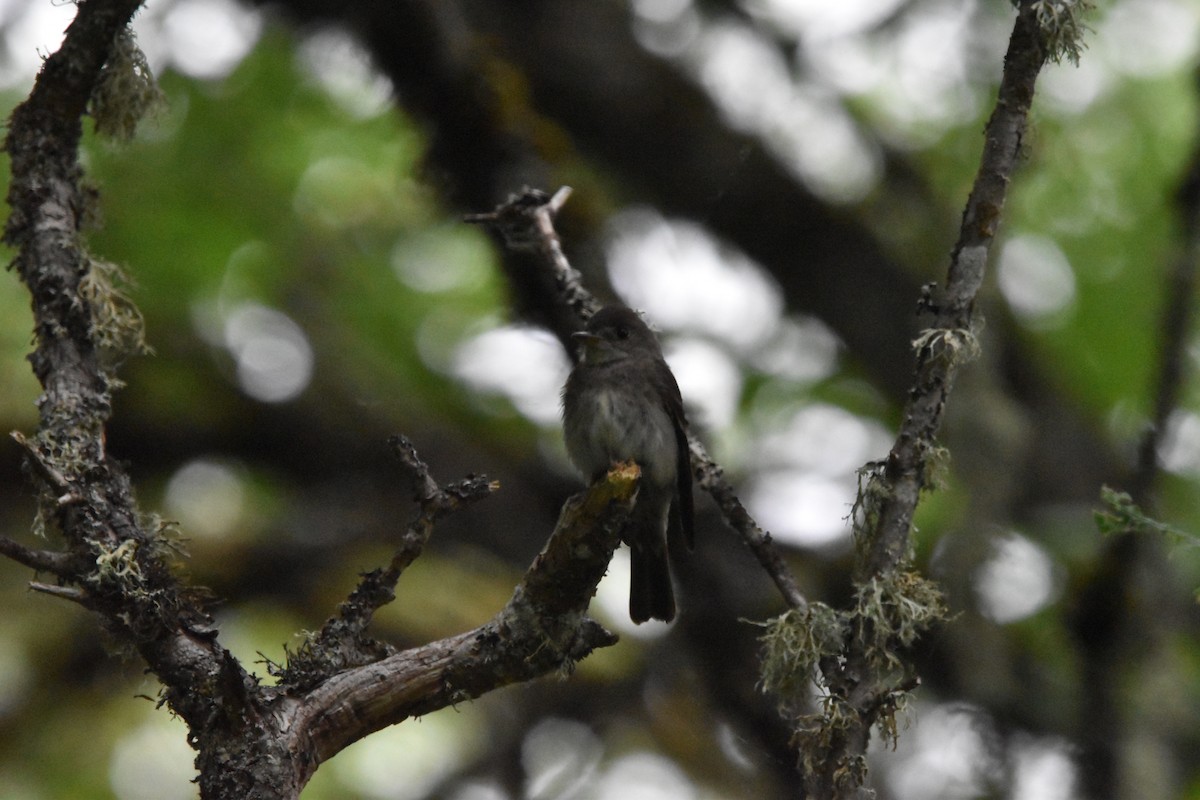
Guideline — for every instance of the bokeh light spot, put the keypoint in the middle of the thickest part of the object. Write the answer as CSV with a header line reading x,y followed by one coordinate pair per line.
x,y
208,38
274,358
206,497
525,364
1148,37
1179,451
406,762
645,776
339,192
440,261
1017,581
559,756
800,507
709,380
341,65
1035,278
31,31
1043,769
683,278
943,755
612,596
153,762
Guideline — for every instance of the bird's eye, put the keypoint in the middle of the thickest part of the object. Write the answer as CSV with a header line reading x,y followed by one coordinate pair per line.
x,y
622,333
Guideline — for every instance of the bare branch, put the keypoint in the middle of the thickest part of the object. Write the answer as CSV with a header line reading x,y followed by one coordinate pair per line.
x,y
543,629
62,592
525,223
950,341
434,501
343,641
61,564
712,479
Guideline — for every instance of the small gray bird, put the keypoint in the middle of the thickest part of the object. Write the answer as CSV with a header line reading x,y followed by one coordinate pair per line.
x,y
621,403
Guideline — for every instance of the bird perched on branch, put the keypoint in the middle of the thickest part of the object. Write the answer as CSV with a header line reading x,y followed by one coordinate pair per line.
x,y
621,403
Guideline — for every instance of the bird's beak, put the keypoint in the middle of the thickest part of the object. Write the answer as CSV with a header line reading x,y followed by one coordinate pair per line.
x,y
586,342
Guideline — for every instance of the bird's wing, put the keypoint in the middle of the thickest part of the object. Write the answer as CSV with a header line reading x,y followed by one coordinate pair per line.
x,y
673,402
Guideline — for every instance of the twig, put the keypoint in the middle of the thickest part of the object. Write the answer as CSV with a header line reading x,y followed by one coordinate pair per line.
x,y
342,641
62,592
434,501
526,222
712,479
61,564
424,486
66,494
542,629
950,340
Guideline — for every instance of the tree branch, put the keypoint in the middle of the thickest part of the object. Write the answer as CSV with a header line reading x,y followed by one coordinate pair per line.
x,y
711,478
343,641
864,682
950,341
246,741
68,593
543,629
61,564
525,224
46,471
434,501
120,568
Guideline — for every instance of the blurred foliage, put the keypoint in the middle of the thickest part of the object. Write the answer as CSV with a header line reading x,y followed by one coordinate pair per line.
x,y
1101,187
281,198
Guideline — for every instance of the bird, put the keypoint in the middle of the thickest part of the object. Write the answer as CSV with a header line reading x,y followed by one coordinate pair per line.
x,y
622,403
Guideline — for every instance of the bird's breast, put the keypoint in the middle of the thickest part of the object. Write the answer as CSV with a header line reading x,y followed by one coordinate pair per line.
x,y
620,420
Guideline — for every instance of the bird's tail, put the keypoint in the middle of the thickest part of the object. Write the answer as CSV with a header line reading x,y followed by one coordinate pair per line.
x,y
650,592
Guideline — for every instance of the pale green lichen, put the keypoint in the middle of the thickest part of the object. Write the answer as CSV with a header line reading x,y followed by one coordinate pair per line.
x,y
937,467
956,346
894,610
793,645
118,328
872,493
126,91
1121,516
818,736
893,705
890,612
45,511
119,564
1062,26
